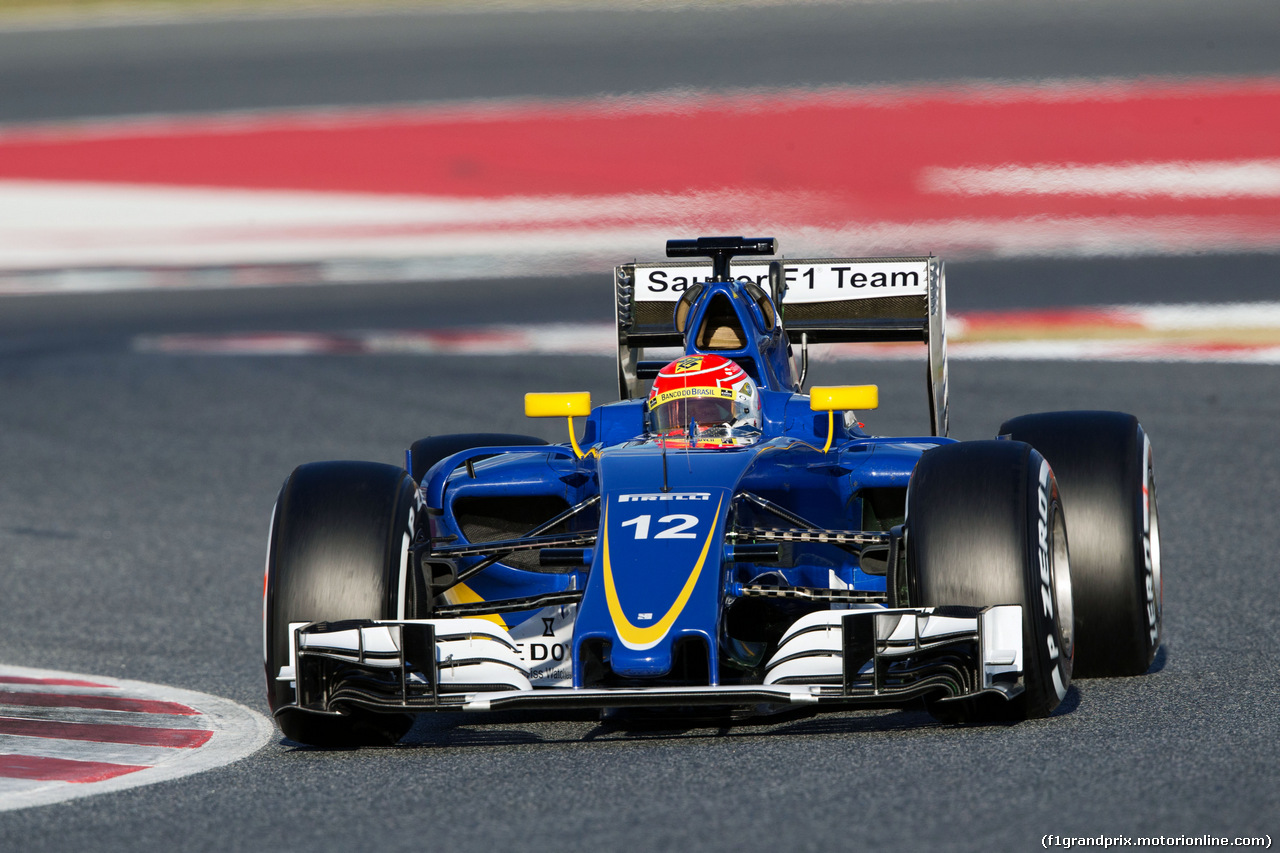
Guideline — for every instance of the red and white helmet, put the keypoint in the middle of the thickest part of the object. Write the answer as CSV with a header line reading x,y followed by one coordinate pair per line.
x,y
709,391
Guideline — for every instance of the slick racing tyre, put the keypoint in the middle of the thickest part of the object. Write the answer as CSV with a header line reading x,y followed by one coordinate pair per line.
x,y
1104,468
426,452
984,526
339,537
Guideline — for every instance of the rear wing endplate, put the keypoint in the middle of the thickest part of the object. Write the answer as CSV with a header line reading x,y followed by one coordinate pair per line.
x,y
819,301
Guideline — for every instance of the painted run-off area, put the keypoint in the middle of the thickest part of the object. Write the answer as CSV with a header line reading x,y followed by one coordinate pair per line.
x,y
1083,167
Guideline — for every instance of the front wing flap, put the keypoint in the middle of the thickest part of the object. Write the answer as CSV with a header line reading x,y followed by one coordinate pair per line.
x,y
867,655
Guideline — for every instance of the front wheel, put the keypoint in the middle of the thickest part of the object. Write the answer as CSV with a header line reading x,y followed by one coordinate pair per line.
x,y
339,543
1103,464
985,527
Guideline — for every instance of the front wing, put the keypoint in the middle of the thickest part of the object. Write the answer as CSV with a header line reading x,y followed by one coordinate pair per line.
x,y
869,655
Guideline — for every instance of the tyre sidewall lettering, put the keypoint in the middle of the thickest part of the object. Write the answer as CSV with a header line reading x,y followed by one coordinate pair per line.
x,y
1150,556
1056,658
406,542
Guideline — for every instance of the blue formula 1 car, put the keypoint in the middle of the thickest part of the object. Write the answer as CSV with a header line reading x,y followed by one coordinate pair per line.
x,y
718,538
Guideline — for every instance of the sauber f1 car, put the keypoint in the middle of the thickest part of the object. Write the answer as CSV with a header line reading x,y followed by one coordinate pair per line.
x,y
718,538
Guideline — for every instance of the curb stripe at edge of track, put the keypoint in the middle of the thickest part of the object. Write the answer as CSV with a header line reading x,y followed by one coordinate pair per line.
x,y
101,703
232,732
106,733
54,682
44,769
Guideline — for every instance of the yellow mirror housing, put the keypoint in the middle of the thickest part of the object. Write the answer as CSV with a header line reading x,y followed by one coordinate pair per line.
x,y
844,398
574,404
570,405
841,398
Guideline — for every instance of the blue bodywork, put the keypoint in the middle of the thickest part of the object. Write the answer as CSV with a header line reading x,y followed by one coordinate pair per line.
x,y
661,579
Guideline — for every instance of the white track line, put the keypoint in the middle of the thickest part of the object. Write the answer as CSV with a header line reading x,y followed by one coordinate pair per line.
x,y
77,750
49,226
1178,179
126,718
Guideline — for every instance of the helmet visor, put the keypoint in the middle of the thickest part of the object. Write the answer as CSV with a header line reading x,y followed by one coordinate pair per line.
x,y
676,415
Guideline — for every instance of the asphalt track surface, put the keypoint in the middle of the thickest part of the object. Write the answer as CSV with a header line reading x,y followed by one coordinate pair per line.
x,y
323,60
137,488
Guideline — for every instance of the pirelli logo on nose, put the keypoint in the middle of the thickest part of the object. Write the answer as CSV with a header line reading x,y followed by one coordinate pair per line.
x,y
665,496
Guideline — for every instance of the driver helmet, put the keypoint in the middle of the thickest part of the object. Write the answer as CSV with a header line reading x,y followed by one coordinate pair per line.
x,y
707,398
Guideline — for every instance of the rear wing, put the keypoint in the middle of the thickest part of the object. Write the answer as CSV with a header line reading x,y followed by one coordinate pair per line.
x,y
824,301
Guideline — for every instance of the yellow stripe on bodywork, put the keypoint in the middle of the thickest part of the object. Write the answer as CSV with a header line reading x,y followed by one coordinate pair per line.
x,y
463,594
647,637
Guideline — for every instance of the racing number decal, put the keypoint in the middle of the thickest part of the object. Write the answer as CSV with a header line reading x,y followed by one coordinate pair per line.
x,y
634,636
685,522
679,524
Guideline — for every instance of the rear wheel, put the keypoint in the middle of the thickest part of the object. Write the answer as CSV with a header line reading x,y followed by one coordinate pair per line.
x,y
426,452
339,540
984,527
1104,468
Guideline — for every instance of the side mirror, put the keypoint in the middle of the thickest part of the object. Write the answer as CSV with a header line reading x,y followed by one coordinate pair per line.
x,y
843,398
567,405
